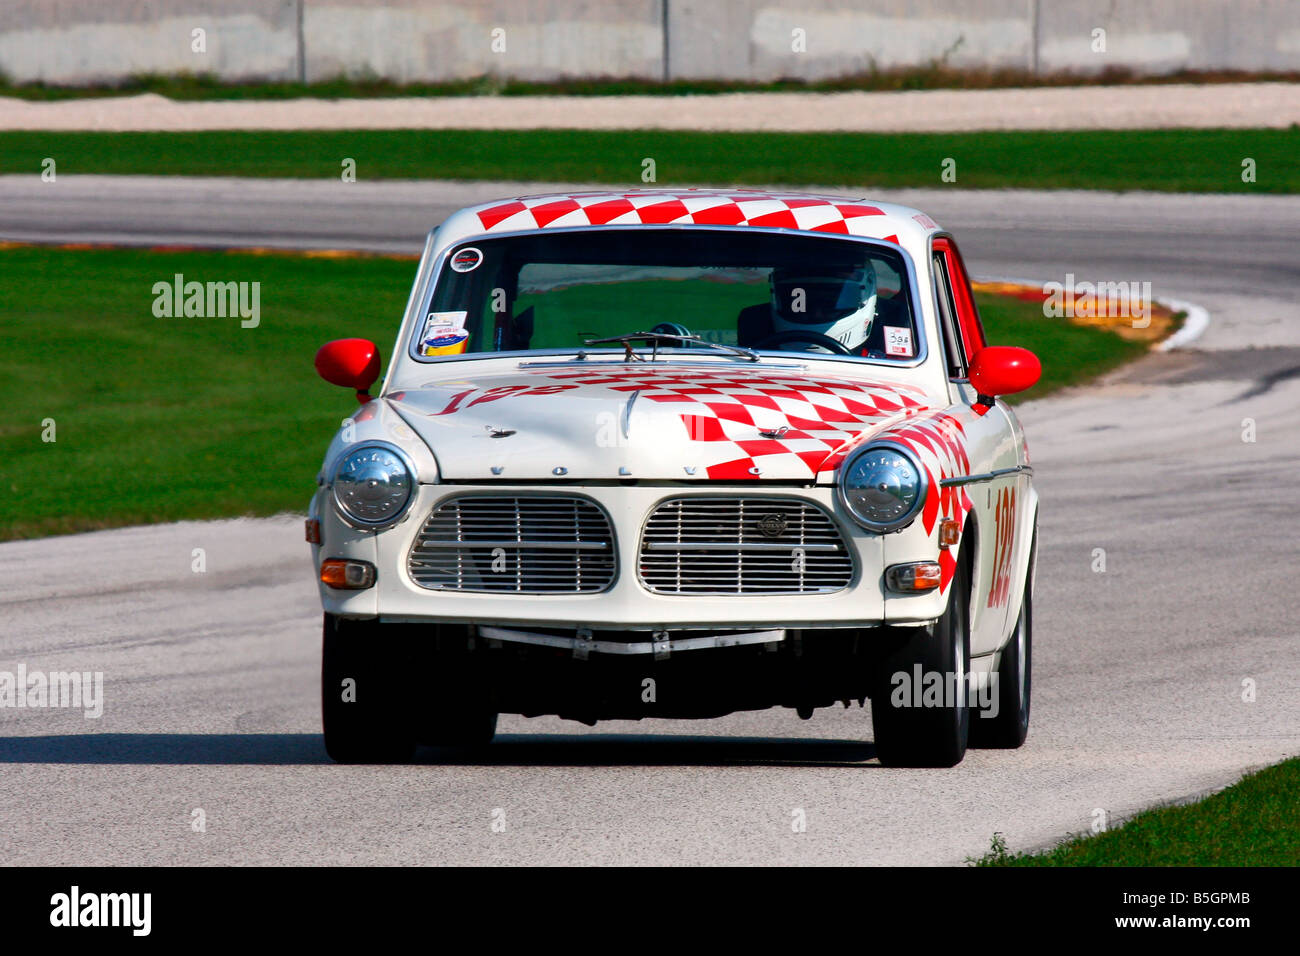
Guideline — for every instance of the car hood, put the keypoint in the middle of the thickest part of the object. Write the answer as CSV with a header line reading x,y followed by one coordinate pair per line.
x,y
647,421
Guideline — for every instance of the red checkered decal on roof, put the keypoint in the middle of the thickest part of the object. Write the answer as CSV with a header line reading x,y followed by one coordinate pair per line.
x,y
805,418
811,213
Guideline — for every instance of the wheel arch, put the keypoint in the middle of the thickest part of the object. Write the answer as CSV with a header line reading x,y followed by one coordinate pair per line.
x,y
1025,560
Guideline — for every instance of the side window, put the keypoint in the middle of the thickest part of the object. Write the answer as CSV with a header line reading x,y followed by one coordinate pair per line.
x,y
954,352
968,317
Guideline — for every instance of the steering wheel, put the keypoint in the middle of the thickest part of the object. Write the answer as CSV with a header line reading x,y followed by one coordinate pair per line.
x,y
802,335
672,328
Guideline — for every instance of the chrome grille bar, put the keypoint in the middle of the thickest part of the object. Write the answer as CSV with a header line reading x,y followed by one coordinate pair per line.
x,y
527,544
743,545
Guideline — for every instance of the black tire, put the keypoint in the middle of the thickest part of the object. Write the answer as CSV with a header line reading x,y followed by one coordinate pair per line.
x,y
1008,729
467,722
927,736
455,708
364,690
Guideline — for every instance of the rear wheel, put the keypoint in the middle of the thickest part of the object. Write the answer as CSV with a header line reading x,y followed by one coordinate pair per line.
x,y
364,692
919,713
1008,728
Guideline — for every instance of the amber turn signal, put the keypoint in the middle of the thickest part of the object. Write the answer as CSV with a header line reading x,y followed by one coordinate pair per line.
x,y
949,533
313,531
917,576
347,575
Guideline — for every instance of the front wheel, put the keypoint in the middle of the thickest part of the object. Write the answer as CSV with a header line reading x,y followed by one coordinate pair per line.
x,y
920,713
364,690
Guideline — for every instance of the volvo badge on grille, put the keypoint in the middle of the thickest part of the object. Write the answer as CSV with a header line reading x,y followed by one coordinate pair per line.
x,y
772,525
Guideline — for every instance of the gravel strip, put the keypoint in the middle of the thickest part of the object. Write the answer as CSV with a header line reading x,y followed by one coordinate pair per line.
x,y
1088,107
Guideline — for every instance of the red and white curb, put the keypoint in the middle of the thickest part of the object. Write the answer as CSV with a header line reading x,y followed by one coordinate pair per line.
x,y
1194,325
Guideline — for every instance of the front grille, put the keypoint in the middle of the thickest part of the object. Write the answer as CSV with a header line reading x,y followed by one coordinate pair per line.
x,y
710,545
523,545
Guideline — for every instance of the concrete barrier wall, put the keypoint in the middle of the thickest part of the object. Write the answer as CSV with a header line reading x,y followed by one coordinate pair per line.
x,y
1160,37
87,41
409,40
818,39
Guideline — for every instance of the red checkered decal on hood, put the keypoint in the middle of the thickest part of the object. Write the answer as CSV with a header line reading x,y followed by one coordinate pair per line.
x,y
805,418
939,442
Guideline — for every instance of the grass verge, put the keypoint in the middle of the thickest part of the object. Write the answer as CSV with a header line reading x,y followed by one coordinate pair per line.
x,y
164,419
1161,160
1251,823
933,76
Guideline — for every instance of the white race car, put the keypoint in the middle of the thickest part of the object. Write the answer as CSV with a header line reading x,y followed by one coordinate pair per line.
x,y
677,454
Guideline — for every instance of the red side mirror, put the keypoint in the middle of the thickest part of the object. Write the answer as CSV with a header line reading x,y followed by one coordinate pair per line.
x,y
352,363
1003,370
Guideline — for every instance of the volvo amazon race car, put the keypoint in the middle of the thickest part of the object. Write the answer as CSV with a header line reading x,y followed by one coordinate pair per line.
x,y
679,454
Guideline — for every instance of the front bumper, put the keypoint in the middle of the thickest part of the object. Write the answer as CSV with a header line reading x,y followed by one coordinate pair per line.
x,y
660,644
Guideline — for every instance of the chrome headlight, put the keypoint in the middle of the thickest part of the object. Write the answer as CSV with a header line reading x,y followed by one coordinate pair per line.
x,y
883,487
373,484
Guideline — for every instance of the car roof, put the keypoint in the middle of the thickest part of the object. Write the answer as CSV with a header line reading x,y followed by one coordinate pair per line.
x,y
804,212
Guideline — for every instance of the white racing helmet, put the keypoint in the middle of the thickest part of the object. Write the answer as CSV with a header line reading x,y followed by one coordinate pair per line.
x,y
837,303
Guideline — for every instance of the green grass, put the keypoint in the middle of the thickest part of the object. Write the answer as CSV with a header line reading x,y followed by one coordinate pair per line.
x,y
935,75
1251,823
1164,160
163,419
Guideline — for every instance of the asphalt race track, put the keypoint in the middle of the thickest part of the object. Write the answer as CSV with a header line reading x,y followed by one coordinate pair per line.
x,y
1140,670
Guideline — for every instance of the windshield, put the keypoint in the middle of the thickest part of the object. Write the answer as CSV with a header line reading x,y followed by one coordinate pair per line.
x,y
768,292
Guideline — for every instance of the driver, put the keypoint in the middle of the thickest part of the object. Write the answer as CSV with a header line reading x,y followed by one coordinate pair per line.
x,y
837,303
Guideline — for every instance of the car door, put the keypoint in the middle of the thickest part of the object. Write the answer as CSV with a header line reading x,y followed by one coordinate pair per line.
x,y
991,445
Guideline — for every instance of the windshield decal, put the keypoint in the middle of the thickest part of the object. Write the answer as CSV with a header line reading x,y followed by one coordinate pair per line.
x,y
898,341
444,334
466,260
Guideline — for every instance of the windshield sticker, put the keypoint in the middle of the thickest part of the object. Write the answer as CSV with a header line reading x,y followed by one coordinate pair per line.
x,y
898,341
444,334
466,260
